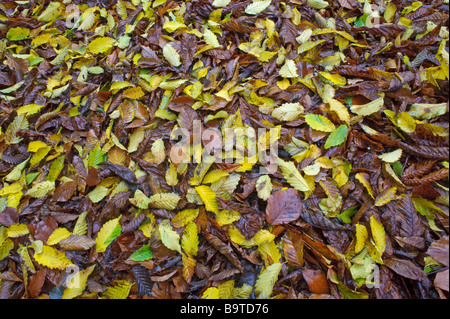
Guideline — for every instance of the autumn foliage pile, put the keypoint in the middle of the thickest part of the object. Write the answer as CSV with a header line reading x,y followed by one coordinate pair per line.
x,y
93,205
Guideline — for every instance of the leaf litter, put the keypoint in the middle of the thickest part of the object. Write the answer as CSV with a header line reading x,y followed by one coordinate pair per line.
x,y
94,205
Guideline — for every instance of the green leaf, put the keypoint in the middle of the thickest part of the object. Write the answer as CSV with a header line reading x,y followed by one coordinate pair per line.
x,y
17,34
95,157
346,215
56,168
337,137
319,123
142,254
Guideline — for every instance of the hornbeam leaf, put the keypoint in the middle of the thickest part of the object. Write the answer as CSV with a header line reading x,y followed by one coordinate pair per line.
x,y
211,39
167,201
289,70
41,189
101,45
288,112
169,237
318,4
361,237
369,108
392,156
81,225
58,235
337,137
293,176
17,230
189,241
211,293
51,12
257,6
52,258
109,231
171,55
266,280
208,197
378,234
221,3
319,123
120,290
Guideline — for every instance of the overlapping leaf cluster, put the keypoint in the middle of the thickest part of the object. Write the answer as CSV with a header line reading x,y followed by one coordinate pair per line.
x,y
94,205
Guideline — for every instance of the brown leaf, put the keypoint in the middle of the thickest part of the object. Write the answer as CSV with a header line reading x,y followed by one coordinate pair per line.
x,y
283,207
439,250
9,216
36,282
224,249
317,281
293,249
442,279
77,242
407,269
65,191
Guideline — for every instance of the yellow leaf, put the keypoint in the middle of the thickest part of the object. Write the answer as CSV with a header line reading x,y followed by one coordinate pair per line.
x,y
340,110
169,237
378,234
293,176
133,93
269,253
208,197
214,176
369,108
81,225
98,193
58,235
289,70
225,289
361,237
171,55
101,45
386,196
109,231
392,156
77,283
364,179
266,280
140,199
227,217
211,39
167,201
184,217
120,290
257,6
288,112
190,242
211,293
158,151
11,189
52,258
264,187
17,230
41,189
